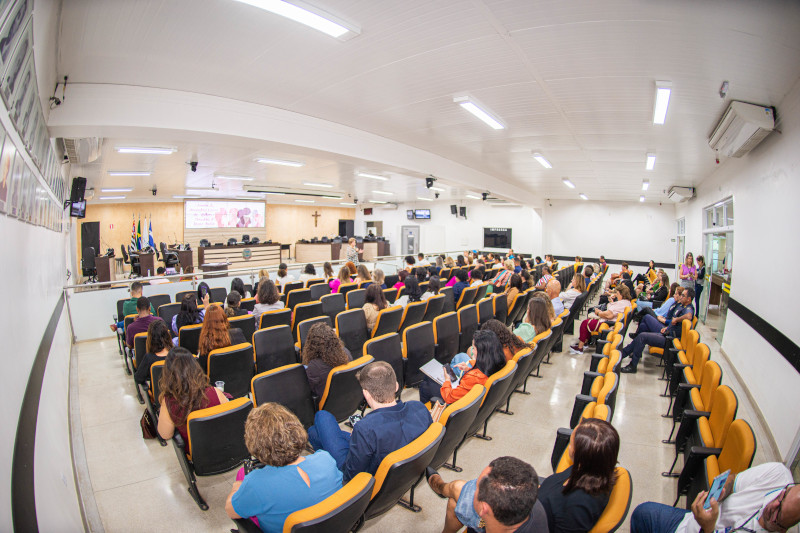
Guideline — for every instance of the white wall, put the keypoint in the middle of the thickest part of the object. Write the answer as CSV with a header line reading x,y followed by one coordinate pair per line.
x,y
446,232
765,185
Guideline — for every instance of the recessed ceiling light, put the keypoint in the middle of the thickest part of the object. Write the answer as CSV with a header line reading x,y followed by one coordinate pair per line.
x,y
583,196
479,110
473,196
349,204
378,202
651,161
118,189
423,198
641,198
663,91
568,183
314,184
645,185
372,176
305,201
179,196
145,150
542,161
333,197
235,178
129,172
385,193
282,162
112,197
317,19
439,189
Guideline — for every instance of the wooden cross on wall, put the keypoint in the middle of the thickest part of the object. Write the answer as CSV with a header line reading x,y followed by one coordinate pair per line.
x,y
316,216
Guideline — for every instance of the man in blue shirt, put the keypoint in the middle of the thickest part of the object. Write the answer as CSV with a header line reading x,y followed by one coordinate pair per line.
x,y
461,284
653,331
388,427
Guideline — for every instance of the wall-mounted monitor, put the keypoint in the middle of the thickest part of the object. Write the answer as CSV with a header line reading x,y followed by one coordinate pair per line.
x,y
497,237
410,214
78,209
205,214
423,214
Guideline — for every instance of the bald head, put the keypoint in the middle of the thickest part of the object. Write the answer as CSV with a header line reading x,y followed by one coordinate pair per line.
x,y
553,288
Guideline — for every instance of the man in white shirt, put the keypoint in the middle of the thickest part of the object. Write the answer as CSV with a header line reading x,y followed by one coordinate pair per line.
x,y
553,290
762,498
421,261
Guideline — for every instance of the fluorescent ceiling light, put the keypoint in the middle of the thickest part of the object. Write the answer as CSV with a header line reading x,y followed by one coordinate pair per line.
x,y
112,197
349,204
129,172
235,178
283,162
641,198
275,193
314,184
645,185
663,90
473,196
426,199
372,176
254,197
479,110
118,189
190,189
385,193
145,150
651,161
377,202
319,21
305,201
436,189
333,197
583,196
542,161
568,183
179,196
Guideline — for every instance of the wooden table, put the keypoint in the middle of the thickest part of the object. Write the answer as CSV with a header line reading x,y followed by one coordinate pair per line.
x,y
214,270
241,255
316,252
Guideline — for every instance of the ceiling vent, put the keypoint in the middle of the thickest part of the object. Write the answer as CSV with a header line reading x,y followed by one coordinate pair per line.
x,y
680,194
82,151
742,127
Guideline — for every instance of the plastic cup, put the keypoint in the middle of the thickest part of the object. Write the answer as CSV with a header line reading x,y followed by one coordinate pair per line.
x,y
220,385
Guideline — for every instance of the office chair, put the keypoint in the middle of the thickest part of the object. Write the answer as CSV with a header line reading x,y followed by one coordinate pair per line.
x,y
169,258
232,241
205,242
88,264
246,239
255,240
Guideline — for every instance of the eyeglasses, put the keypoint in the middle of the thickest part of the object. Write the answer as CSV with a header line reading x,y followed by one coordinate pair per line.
x,y
777,519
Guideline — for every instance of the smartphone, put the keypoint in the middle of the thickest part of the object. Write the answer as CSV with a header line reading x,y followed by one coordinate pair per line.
x,y
450,373
716,488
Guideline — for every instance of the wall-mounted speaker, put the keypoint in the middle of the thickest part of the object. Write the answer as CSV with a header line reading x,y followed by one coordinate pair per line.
x,y
463,211
454,209
78,190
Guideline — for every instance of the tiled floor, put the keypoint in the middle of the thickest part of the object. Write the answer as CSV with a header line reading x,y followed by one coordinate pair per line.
x,y
138,484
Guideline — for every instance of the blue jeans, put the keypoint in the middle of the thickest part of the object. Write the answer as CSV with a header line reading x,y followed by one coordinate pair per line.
x,y
326,435
641,304
648,334
651,517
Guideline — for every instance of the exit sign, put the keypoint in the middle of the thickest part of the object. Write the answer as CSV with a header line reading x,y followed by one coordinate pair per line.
x,y
367,210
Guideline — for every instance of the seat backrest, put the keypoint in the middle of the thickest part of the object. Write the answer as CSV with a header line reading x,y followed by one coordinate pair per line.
x,y
139,346
343,394
234,366
356,298
156,369
445,335
332,305
291,286
316,281
218,294
457,418
467,297
344,288
480,294
419,347
305,325
167,311
449,304
619,503
273,347
739,448
338,512
388,321
297,296
157,300
304,311
496,387
608,392
179,296
318,290
351,327
712,376
467,326
388,348
434,307
390,294
247,323
701,356
723,411
516,307
525,360
216,437
288,386
276,317
413,314
401,469
500,303
485,310
248,304
189,337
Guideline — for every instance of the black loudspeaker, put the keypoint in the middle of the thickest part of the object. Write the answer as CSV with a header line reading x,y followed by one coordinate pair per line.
x,y
454,209
90,235
346,228
463,211
78,190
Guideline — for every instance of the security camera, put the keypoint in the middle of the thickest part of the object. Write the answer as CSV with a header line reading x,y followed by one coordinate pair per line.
x,y
436,195
193,165
429,181
355,200
154,190
485,196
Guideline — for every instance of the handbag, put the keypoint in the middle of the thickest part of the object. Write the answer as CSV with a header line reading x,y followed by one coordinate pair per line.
x,y
148,427
437,410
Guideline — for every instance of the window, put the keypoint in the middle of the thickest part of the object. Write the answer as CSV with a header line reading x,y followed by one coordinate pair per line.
x,y
681,241
719,215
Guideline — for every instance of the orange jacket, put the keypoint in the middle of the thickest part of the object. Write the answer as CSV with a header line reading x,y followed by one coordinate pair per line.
x,y
468,380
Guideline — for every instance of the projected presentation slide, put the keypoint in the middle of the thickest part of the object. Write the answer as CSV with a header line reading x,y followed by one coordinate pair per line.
x,y
221,214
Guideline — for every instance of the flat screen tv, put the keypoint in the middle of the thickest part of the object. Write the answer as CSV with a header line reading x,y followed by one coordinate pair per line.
x,y
78,209
497,237
410,214
422,213
217,214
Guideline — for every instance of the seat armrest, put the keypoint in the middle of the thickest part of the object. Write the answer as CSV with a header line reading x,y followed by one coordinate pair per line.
x,y
691,413
595,360
703,451
562,441
245,525
688,386
178,440
588,379
600,344
581,401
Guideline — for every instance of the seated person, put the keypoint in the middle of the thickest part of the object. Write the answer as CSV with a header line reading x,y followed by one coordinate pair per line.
x,y
401,279
289,481
620,298
475,277
267,298
527,279
189,314
378,278
238,285
159,343
537,320
612,280
421,273
327,270
215,334
142,321
553,290
410,262
761,498
575,498
658,291
675,291
588,274
421,261
575,289
233,301
283,276
309,272
342,277
390,425
502,498
433,288
488,359
517,265
649,276
653,331
362,274
411,292
129,305
460,284
374,303
160,278
510,342
513,289
504,275
546,276
321,353
184,388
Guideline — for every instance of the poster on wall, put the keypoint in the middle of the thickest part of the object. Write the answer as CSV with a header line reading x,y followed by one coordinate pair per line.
x,y
14,70
19,105
6,161
207,214
11,28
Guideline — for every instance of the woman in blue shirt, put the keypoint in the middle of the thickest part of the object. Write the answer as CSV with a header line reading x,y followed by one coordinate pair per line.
x,y
289,482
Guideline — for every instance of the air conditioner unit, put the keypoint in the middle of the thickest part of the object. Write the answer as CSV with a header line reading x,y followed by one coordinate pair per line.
x,y
390,207
742,127
680,194
82,151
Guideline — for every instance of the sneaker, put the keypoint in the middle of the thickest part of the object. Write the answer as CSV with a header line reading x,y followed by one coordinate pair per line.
x,y
573,351
574,347
630,369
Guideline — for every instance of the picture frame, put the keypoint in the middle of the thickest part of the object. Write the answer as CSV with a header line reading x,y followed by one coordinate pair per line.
x,y
7,156
15,68
15,189
13,24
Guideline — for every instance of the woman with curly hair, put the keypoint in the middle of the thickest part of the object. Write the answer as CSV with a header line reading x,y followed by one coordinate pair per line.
x,y
511,343
322,352
184,388
289,481
216,333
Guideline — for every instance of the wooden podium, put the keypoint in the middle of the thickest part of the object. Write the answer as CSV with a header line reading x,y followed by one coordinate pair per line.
x,y
147,262
185,259
105,268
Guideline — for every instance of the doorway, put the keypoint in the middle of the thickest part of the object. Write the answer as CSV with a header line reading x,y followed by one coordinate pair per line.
x,y
409,240
718,251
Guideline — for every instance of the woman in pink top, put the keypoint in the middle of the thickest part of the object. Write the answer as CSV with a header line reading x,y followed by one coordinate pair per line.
x,y
618,300
688,272
343,277
401,277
